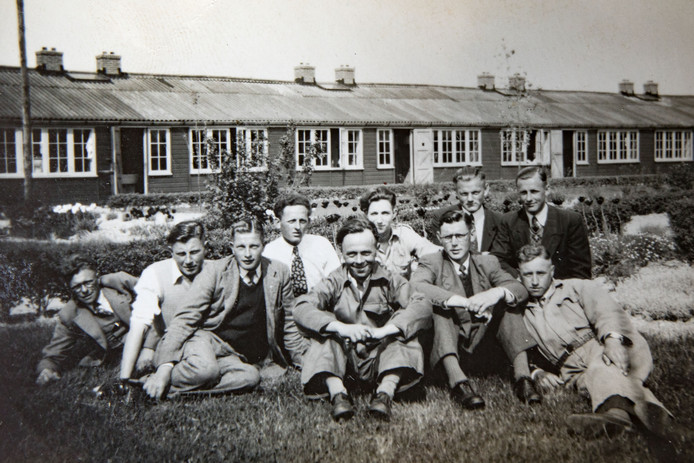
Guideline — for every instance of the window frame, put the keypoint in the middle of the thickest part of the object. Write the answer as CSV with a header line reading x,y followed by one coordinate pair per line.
x,y
514,143
241,133
312,139
619,142
686,145
18,147
390,147
191,153
576,142
345,153
455,155
148,147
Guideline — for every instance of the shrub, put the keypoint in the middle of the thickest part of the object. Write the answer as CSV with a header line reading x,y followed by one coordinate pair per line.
x,y
618,257
682,223
32,220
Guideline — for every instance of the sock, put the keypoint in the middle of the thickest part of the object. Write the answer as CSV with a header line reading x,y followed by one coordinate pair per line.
x,y
520,366
453,371
388,384
335,386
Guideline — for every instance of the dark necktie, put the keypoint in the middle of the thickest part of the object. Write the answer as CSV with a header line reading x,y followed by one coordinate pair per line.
x,y
467,281
536,231
473,234
298,275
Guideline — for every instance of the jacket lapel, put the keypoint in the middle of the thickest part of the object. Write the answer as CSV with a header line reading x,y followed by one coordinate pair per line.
x,y
120,303
521,229
230,281
489,230
449,278
270,286
88,323
551,236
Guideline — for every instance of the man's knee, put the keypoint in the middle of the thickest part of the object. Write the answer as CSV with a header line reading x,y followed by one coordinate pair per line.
x,y
192,372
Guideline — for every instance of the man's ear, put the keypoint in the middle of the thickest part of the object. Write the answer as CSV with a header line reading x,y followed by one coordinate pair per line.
x,y
551,270
486,190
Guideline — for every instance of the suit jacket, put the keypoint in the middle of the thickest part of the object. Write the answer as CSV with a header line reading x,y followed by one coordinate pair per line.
x,y
77,326
491,224
437,278
565,238
212,298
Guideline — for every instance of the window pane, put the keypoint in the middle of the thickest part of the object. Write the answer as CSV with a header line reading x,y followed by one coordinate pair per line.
x,y
8,152
57,150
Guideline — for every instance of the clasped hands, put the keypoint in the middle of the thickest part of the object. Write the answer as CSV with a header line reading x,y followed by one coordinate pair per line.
x,y
358,332
480,304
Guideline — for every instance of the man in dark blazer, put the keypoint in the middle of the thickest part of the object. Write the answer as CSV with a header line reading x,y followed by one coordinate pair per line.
x,y
235,326
92,325
471,190
562,233
470,294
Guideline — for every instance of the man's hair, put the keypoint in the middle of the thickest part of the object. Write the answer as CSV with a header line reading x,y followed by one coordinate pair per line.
x,y
184,231
456,216
354,225
529,172
467,173
291,199
377,194
532,251
248,226
76,263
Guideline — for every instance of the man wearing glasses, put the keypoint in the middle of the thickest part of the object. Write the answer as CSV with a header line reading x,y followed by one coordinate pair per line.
x,y
91,326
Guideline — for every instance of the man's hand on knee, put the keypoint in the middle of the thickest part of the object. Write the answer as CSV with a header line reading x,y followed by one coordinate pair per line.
x,y
354,332
145,360
546,380
46,376
616,353
157,383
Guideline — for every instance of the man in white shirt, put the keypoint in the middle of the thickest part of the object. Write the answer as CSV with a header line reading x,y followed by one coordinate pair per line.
x,y
309,257
160,289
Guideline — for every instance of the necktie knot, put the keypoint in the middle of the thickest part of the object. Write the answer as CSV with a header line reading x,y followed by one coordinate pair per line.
x,y
535,230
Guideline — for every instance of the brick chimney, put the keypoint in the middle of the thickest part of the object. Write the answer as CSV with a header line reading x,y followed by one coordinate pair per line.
x,y
305,74
650,88
485,81
49,60
516,82
626,87
108,63
345,75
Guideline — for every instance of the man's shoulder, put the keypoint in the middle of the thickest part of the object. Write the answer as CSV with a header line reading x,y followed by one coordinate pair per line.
x,y
564,214
68,312
452,207
431,258
484,260
492,216
316,240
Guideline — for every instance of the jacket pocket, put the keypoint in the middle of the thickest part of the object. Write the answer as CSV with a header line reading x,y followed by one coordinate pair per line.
x,y
379,312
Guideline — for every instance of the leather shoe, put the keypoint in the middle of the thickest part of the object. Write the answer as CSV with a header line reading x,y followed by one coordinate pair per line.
x,y
526,392
597,424
464,393
342,407
380,406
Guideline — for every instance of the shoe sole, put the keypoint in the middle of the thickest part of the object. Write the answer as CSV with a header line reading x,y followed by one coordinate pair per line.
x,y
379,414
597,425
344,416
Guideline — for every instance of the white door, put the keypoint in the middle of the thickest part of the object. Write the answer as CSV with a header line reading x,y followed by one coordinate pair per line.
x,y
557,153
423,168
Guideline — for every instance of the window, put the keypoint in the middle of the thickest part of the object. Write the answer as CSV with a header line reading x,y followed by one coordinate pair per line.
x,y
456,147
314,142
351,149
8,153
63,152
618,146
581,147
158,152
673,145
57,151
207,146
384,140
83,160
514,146
252,148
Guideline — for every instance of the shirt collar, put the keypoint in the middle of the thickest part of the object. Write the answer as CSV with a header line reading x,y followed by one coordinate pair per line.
x,y
465,265
479,215
378,273
257,273
102,303
541,216
549,293
176,274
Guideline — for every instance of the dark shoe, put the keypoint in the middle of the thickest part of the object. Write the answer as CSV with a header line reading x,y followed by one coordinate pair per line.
x,y
598,424
342,407
526,392
464,393
380,406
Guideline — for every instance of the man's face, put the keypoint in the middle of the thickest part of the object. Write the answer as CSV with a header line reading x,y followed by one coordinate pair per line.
x,y
85,286
536,276
381,214
248,248
359,253
189,256
293,223
455,238
532,193
471,193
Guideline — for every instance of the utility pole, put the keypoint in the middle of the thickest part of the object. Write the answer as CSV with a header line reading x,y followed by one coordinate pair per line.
x,y
26,105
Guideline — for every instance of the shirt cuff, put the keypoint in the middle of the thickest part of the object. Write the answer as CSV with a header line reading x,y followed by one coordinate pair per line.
x,y
509,297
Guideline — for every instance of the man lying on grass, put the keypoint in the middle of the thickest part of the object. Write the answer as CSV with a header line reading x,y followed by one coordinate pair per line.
x,y
242,306
91,326
363,321
591,344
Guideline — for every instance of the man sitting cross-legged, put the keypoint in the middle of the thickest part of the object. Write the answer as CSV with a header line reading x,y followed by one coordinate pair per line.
x,y
236,319
363,321
470,293
590,341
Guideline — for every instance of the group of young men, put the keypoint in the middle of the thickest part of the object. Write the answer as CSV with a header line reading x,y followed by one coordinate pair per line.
x,y
199,326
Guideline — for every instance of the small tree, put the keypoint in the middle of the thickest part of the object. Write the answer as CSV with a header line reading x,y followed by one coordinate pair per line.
x,y
287,160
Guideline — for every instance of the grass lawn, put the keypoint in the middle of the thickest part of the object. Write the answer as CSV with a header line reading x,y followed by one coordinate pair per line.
x,y
64,422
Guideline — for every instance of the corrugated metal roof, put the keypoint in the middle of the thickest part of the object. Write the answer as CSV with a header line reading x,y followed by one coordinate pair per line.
x,y
142,98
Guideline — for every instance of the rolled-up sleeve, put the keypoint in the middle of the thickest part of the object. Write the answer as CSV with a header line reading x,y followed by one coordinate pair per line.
x,y
146,304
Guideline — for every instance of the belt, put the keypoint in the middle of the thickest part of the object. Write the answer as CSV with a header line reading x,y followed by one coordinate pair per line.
x,y
572,347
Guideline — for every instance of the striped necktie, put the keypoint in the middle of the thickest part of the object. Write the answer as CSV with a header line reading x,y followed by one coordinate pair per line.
x,y
536,231
299,285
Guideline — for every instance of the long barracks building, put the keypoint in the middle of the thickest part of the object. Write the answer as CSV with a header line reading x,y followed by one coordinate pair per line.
x,y
95,134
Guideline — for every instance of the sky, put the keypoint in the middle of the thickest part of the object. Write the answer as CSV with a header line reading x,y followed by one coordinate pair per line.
x,y
556,44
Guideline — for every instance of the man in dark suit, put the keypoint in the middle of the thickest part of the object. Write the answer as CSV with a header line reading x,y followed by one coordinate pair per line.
x,y
470,294
91,326
562,233
234,327
472,189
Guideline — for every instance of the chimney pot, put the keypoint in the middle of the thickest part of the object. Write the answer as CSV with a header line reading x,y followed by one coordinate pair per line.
x,y
626,87
49,60
485,81
650,88
108,63
517,82
345,75
305,74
